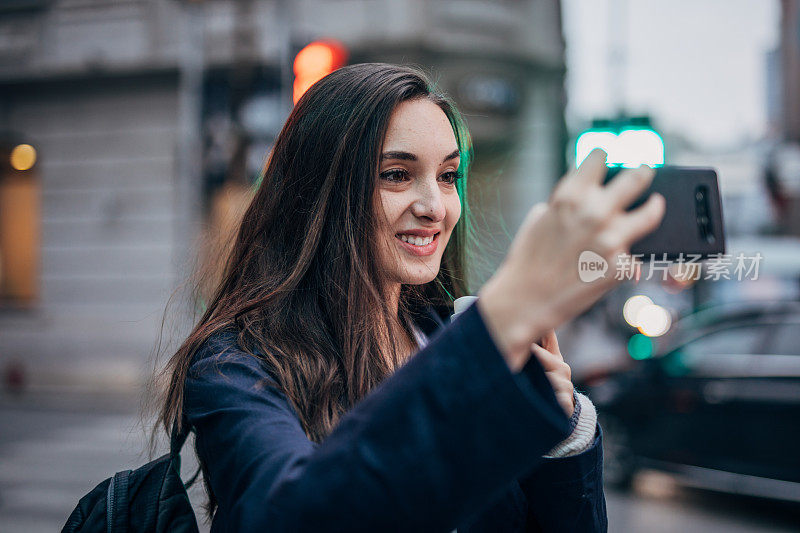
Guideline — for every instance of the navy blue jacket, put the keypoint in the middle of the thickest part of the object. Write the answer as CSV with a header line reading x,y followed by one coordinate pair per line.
x,y
452,439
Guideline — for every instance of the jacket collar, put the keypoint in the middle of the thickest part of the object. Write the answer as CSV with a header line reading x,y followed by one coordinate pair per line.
x,y
430,318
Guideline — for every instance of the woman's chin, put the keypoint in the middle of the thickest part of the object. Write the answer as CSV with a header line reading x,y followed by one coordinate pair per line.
x,y
420,278
417,282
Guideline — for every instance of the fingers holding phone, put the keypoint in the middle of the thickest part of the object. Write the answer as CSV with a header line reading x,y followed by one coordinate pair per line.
x,y
558,372
538,286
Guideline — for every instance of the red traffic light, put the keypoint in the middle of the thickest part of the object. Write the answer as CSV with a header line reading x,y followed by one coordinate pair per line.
x,y
316,60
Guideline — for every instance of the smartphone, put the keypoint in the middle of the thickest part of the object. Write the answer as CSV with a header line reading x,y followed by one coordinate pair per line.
x,y
692,223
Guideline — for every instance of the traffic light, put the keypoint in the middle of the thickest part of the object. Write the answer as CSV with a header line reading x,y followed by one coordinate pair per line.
x,y
629,142
315,61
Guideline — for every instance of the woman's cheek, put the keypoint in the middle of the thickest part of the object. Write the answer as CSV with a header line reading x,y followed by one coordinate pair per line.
x,y
455,214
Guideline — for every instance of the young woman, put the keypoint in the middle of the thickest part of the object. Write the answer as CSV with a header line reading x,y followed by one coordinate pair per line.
x,y
326,385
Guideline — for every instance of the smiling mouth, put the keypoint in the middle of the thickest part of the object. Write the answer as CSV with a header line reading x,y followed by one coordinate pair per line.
x,y
414,240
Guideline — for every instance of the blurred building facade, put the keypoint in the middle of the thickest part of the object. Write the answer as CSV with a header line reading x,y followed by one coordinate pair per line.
x,y
782,165
144,112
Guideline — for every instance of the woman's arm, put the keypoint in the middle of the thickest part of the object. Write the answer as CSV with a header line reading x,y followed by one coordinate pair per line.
x,y
421,452
566,493
583,424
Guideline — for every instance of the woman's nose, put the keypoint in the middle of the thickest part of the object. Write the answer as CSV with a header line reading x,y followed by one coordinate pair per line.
x,y
429,203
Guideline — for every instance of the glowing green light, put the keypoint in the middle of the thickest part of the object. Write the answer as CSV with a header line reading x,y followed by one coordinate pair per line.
x,y
639,147
640,347
592,139
630,147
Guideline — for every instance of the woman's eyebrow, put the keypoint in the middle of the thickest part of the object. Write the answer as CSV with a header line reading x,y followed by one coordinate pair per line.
x,y
405,156
408,156
452,155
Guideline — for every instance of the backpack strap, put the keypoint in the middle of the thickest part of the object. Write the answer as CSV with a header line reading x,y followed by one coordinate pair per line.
x,y
117,503
176,442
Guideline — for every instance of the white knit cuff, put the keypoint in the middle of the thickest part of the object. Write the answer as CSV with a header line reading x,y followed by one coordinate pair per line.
x,y
582,436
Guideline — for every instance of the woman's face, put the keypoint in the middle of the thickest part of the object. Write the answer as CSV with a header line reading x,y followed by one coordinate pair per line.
x,y
416,192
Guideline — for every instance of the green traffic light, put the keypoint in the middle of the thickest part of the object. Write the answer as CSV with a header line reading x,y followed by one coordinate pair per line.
x,y
626,145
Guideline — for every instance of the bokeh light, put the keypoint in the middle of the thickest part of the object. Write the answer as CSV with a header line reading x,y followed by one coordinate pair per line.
x,y
314,62
640,347
631,308
23,157
653,320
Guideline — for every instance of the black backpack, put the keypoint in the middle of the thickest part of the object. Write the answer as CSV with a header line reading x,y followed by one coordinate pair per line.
x,y
151,498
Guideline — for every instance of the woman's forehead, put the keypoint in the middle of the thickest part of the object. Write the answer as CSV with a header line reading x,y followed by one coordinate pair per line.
x,y
419,126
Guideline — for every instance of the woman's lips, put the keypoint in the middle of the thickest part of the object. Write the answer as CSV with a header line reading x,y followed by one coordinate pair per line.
x,y
428,249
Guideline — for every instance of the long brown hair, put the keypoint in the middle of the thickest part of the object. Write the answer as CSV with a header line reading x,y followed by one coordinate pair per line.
x,y
301,285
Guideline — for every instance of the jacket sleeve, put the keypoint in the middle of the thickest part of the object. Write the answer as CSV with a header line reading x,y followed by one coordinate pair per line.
x,y
447,431
566,493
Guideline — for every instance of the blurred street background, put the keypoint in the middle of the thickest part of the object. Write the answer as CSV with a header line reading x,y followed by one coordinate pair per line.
x,y
132,133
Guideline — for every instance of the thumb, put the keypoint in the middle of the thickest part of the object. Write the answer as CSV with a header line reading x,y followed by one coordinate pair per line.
x,y
550,342
535,213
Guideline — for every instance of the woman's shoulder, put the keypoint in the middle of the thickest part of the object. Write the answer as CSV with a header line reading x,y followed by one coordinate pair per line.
x,y
221,349
222,377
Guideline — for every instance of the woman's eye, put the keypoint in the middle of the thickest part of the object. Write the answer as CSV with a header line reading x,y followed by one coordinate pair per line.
x,y
451,177
394,174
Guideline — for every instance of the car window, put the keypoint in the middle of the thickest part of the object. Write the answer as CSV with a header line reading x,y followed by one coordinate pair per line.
x,y
786,339
720,352
738,340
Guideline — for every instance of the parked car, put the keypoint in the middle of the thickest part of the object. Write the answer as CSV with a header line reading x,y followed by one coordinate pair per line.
x,y
718,404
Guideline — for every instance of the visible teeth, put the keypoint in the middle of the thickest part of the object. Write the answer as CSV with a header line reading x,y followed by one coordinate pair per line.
x,y
416,241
